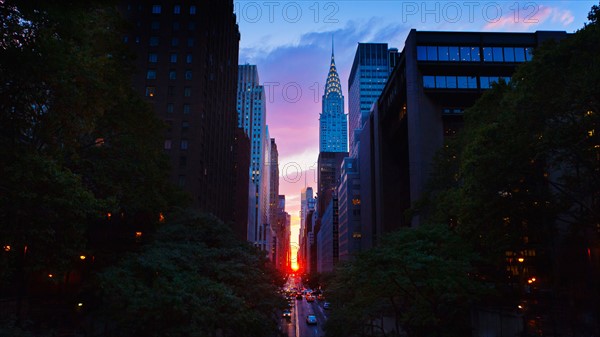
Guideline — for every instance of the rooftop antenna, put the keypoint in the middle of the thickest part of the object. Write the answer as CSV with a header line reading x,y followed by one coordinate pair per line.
x,y
332,45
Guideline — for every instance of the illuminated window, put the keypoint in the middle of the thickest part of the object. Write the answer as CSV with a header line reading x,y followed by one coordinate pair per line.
x,y
187,92
173,58
168,143
172,75
192,10
150,91
151,75
156,9
176,9
184,144
153,41
152,58
170,108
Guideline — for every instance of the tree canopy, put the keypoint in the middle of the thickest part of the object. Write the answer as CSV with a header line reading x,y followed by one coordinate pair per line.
x,y
193,280
418,281
522,180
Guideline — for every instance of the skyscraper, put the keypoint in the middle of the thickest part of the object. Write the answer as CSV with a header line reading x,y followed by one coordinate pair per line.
x,y
307,204
252,118
187,57
369,73
333,123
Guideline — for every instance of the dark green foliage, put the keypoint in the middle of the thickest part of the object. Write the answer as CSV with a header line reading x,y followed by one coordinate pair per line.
x,y
193,280
76,142
418,281
524,176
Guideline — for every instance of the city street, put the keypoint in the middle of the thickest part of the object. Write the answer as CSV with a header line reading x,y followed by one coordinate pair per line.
x,y
297,325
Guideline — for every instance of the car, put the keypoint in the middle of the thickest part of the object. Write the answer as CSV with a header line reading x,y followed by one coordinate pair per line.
x,y
320,297
311,319
310,298
287,314
299,296
326,305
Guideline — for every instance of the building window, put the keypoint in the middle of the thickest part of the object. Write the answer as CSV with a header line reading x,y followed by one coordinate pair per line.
x,y
453,54
172,75
187,92
150,91
176,9
188,74
190,42
184,144
182,161
185,125
432,53
170,108
186,109
497,54
192,10
174,42
440,81
519,54
151,75
465,54
528,54
421,53
170,90
176,26
125,39
155,25
443,54
191,25
173,58
188,58
156,9
451,82
152,57
168,144
475,55
181,181
153,41
467,82
509,55
487,54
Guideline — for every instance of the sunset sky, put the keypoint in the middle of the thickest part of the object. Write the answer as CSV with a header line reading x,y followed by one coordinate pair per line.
x,y
290,42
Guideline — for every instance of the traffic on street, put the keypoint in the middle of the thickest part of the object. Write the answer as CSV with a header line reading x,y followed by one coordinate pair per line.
x,y
307,310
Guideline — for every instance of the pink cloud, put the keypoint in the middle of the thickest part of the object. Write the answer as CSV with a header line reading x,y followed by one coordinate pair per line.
x,y
528,17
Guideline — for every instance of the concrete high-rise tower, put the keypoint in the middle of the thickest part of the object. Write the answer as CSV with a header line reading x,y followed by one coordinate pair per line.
x,y
251,107
187,56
